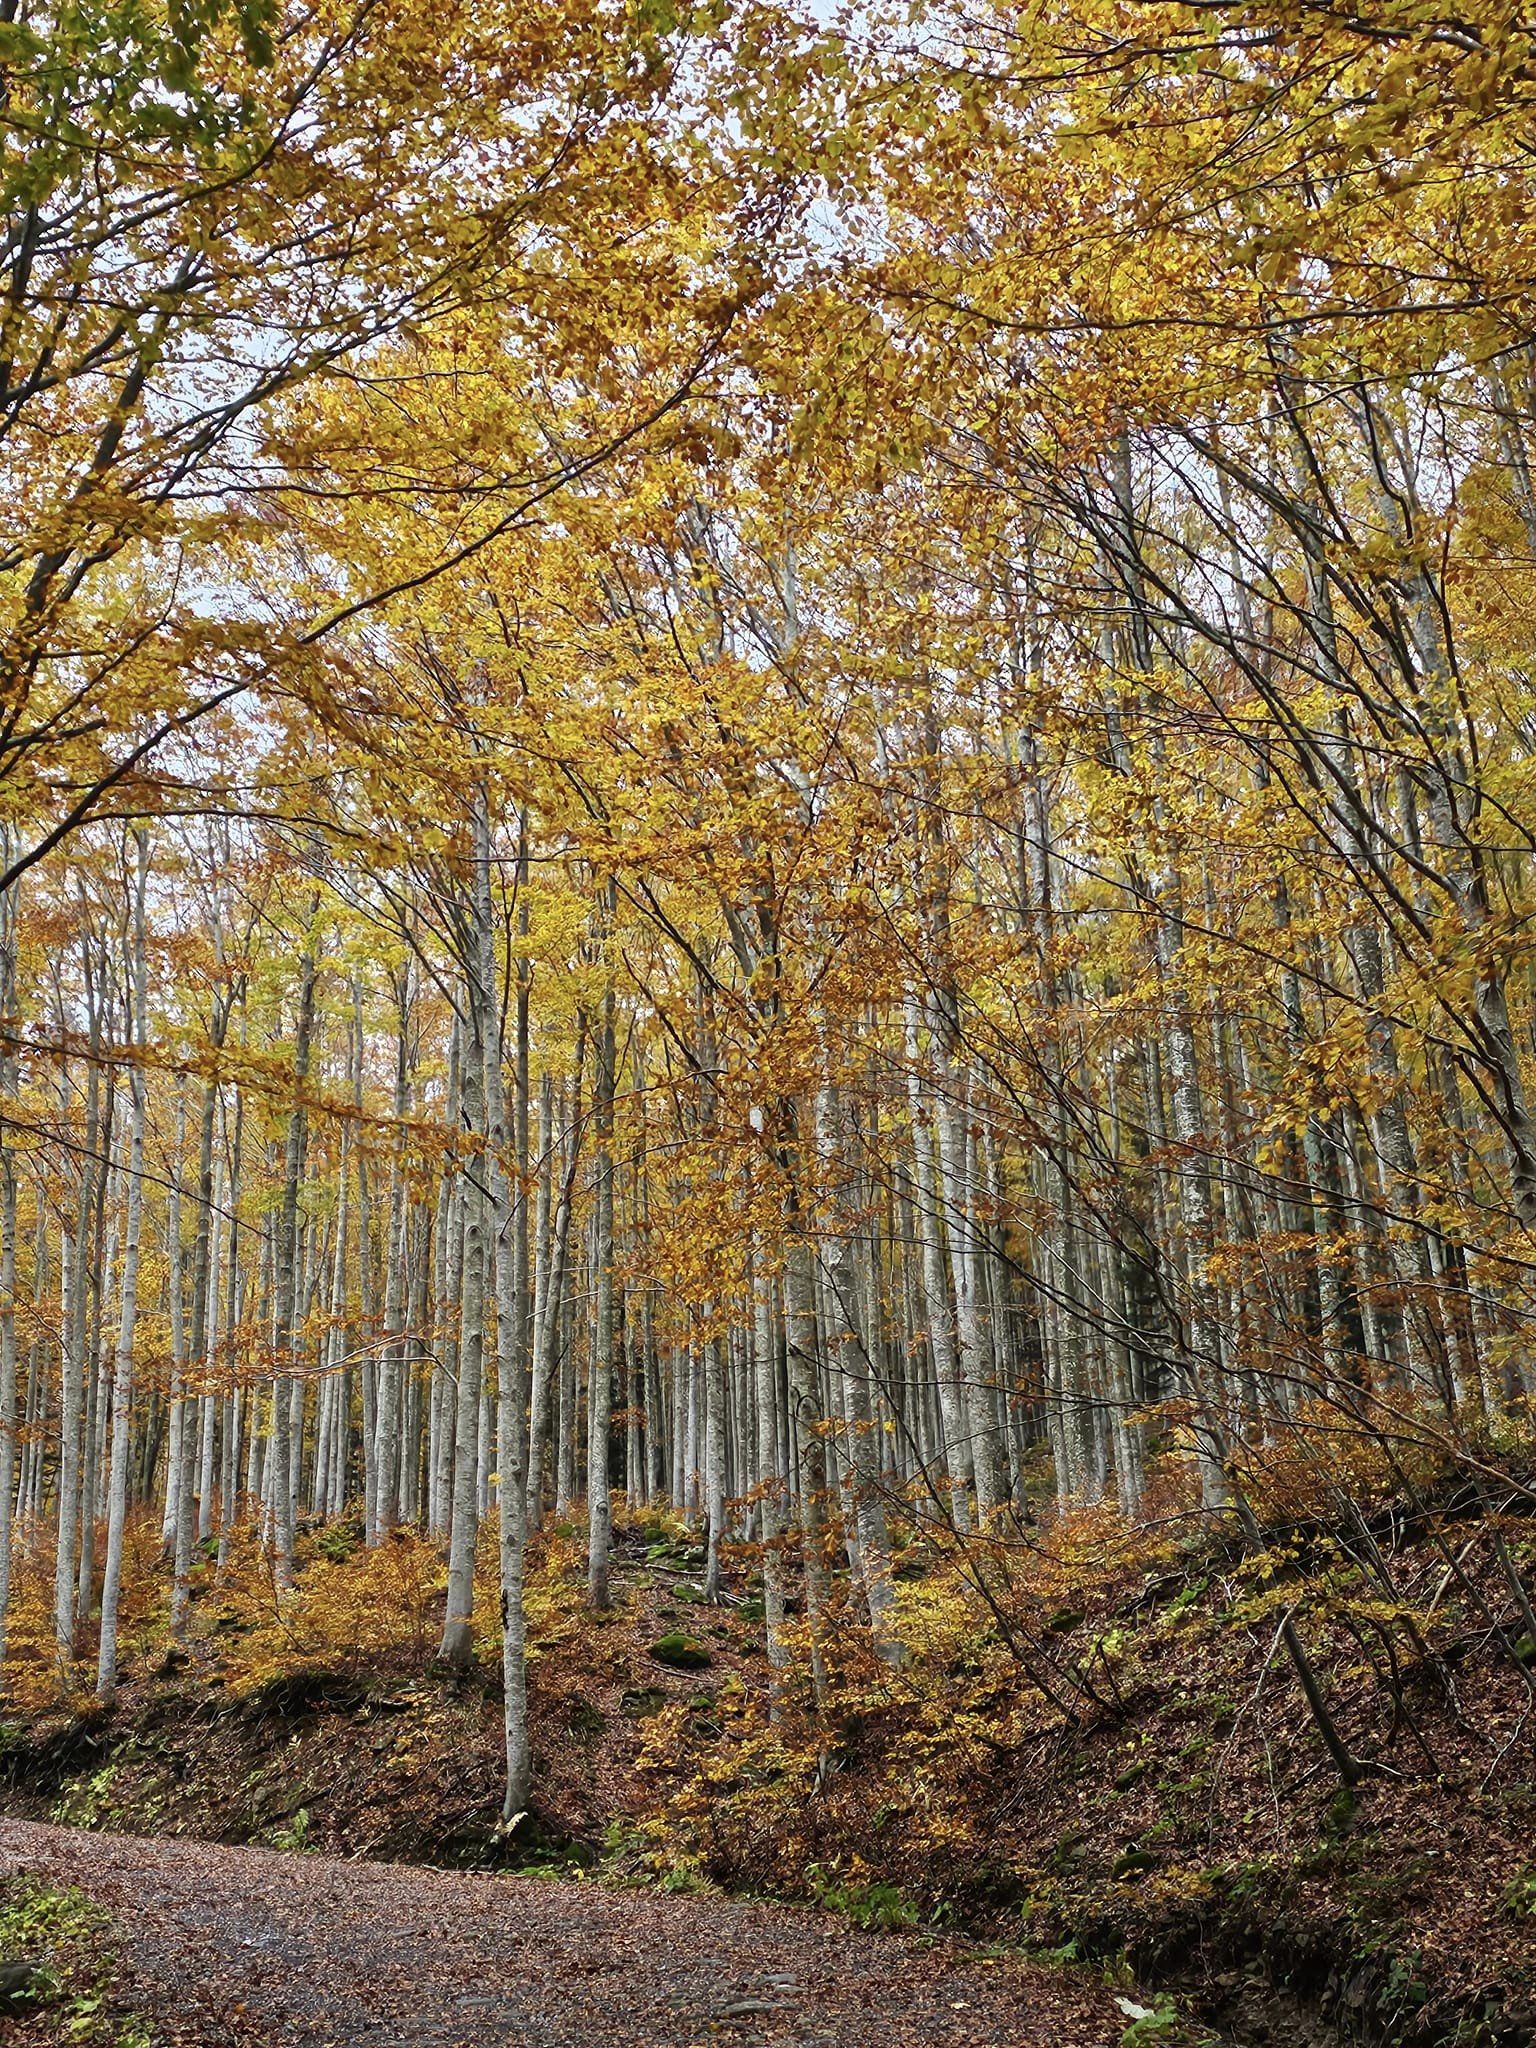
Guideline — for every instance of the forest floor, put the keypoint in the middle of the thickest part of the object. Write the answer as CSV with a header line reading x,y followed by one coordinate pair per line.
x,y
1177,1826
243,1946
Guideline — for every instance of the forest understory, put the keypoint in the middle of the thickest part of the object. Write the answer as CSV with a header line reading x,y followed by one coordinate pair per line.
x,y
1178,1834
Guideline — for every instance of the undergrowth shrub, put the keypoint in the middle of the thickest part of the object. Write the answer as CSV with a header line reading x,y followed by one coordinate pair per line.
x,y
367,1610
34,1675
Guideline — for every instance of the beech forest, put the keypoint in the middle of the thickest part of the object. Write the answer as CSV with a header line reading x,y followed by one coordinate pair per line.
x,y
768,1023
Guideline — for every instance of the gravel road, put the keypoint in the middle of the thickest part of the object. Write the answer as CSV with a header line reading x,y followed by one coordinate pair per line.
x,y
225,1945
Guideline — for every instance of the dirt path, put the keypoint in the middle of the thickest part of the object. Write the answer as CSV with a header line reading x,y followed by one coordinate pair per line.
x,y
232,1945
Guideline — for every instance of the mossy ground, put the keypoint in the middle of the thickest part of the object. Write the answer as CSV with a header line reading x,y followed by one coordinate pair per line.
x,y
59,1972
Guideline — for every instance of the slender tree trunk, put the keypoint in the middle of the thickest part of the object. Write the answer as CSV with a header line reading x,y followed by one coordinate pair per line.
x,y
286,1272
600,1378
122,1378
458,1624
